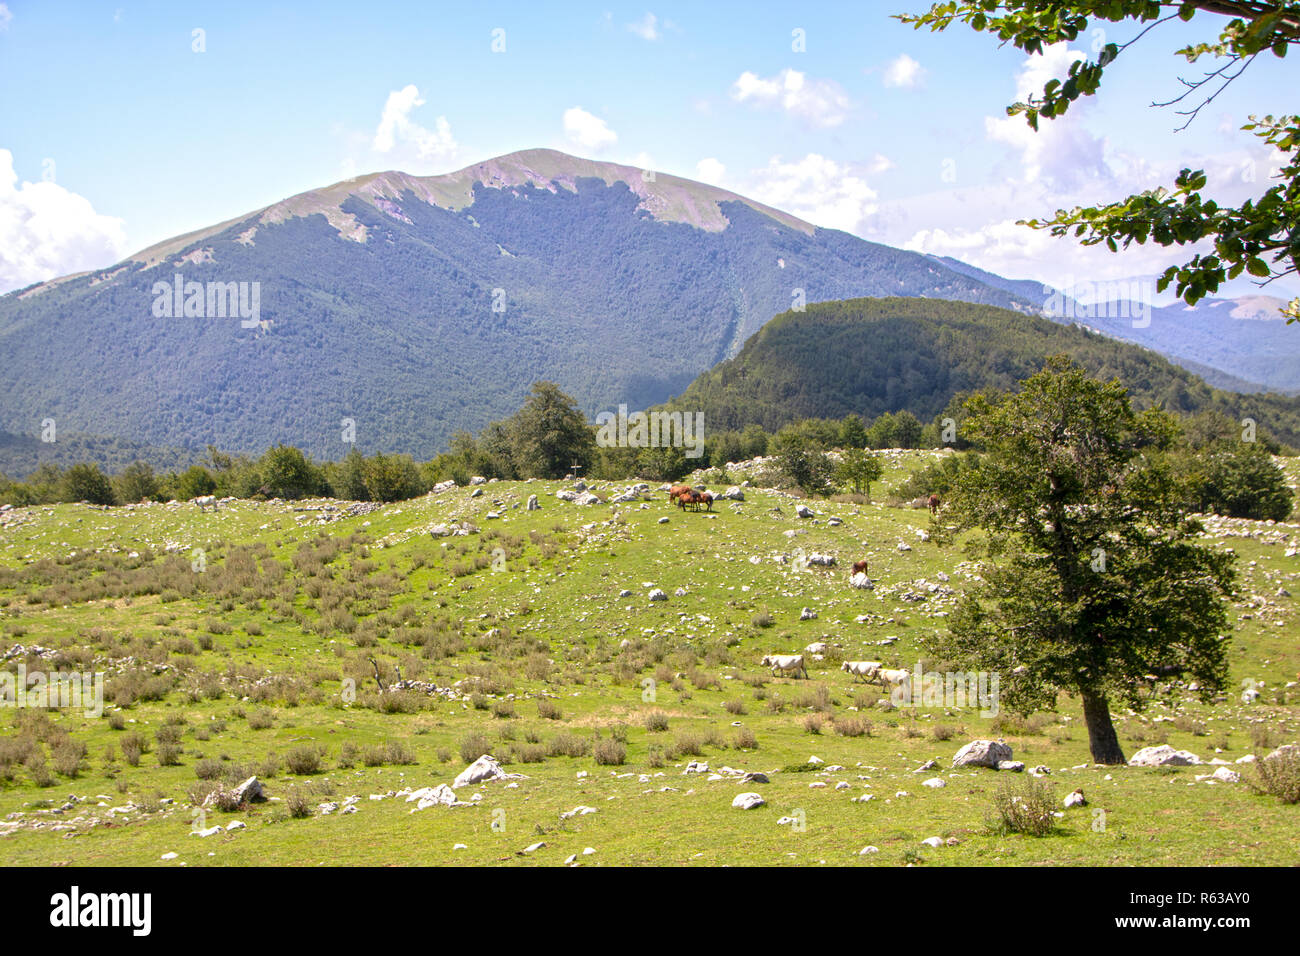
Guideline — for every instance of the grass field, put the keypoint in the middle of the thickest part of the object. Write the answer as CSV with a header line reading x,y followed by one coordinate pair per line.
x,y
239,643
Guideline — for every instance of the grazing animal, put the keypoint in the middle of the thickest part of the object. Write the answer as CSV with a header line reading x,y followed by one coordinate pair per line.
x,y
864,669
204,500
707,498
859,567
893,678
676,491
934,504
692,498
785,663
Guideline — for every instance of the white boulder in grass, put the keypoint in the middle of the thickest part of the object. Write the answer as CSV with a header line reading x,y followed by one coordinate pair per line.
x,y
483,769
982,753
861,581
748,801
1163,756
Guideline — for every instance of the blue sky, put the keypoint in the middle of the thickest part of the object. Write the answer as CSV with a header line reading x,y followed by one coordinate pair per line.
x,y
116,132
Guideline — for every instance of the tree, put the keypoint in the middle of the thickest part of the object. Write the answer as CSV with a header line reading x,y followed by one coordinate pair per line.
x,y
349,477
286,473
1093,575
801,463
907,430
391,477
550,433
137,482
195,483
858,468
1260,237
1239,479
853,434
87,483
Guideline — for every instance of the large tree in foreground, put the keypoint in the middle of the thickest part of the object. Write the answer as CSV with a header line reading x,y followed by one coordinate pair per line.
x,y
1093,577
1260,237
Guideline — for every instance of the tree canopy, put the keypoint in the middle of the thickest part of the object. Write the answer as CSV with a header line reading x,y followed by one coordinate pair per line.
x,y
1093,578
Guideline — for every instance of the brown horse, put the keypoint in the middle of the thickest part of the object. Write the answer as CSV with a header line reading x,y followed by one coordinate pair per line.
x,y
707,499
677,490
859,567
692,498
934,504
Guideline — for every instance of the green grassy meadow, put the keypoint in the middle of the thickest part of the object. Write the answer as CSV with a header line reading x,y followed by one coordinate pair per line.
x,y
245,637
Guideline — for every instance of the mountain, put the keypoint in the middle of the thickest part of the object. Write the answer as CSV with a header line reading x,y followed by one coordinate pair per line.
x,y
1241,343
417,306
871,356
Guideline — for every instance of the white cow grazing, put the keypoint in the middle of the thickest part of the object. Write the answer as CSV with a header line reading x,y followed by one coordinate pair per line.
x,y
863,669
786,663
893,678
206,500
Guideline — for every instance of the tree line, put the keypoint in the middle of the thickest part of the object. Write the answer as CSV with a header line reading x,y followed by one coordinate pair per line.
x,y
1219,469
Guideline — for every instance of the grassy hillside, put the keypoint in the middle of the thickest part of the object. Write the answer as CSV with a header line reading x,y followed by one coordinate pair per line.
x,y
871,356
245,654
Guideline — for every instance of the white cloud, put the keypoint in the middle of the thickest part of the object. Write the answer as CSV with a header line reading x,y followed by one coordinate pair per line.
x,y
710,171
47,231
818,102
904,72
1063,151
588,131
397,132
978,223
647,28
881,164
817,189
5,17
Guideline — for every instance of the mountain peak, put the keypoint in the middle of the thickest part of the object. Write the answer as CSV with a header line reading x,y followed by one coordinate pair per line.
x,y
666,197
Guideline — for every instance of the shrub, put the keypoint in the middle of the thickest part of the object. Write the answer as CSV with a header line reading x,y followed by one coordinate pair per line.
x,y
609,752
503,709
656,721
133,745
474,745
548,709
813,723
1279,774
68,756
260,720
208,769
348,755
687,744
529,753
569,745
746,739
304,761
847,726
1027,808
942,732
169,754
298,804
734,707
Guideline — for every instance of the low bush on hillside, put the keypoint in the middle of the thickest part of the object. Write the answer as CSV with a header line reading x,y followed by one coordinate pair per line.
x,y
1279,774
1027,807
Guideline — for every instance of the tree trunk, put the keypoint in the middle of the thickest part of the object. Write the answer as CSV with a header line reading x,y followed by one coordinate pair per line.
x,y
1102,739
